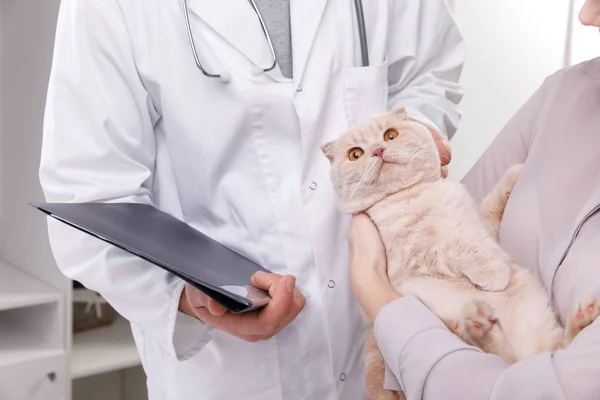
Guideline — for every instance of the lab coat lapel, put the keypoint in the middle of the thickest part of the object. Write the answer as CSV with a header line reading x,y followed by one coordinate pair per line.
x,y
236,22
306,17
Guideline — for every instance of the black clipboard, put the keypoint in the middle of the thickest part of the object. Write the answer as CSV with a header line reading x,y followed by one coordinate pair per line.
x,y
163,240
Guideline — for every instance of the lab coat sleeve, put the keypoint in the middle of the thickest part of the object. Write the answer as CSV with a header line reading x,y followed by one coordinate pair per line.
x,y
426,53
99,145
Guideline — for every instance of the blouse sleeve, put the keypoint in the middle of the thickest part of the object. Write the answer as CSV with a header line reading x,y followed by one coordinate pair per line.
x,y
429,362
508,148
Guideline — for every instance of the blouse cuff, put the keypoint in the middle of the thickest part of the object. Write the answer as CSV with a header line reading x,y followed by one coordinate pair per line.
x,y
409,334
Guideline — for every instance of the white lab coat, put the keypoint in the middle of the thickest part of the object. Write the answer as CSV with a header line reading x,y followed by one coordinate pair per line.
x,y
130,118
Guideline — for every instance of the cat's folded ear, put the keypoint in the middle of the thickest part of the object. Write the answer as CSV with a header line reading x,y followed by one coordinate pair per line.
x,y
401,113
328,149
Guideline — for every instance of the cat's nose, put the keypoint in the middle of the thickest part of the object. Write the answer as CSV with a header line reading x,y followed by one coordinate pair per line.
x,y
378,152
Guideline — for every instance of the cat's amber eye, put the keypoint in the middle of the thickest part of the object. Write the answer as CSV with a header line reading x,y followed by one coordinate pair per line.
x,y
355,153
390,134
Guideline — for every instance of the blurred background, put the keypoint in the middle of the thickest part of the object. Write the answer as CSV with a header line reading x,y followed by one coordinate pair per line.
x,y
60,341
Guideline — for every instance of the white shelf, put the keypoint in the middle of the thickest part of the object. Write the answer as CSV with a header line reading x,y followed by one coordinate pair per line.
x,y
103,349
18,345
17,289
14,357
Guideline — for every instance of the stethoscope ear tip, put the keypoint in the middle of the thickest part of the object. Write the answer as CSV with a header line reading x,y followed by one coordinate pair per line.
x,y
225,77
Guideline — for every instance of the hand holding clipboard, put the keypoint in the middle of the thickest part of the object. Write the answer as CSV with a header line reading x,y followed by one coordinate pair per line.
x,y
259,303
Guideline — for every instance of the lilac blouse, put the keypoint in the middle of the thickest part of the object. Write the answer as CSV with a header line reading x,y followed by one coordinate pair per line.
x,y
551,225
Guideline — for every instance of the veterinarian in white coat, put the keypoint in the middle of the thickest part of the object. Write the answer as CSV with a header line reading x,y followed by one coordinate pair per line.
x,y
131,118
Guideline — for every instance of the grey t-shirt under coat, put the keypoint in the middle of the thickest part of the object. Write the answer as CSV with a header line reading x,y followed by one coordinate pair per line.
x,y
276,15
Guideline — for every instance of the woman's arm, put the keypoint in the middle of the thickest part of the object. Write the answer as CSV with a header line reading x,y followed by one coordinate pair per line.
x,y
428,361
509,147
431,363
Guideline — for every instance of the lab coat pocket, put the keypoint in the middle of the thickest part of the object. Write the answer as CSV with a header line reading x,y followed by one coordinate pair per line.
x,y
365,91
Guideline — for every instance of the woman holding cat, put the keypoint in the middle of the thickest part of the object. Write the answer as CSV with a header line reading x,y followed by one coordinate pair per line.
x,y
551,225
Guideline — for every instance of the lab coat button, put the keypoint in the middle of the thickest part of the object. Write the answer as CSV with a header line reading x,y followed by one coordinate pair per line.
x,y
313,186
331,284
342,377
299,88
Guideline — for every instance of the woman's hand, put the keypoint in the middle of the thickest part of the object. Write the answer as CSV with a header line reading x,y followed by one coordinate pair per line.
x,y
368,267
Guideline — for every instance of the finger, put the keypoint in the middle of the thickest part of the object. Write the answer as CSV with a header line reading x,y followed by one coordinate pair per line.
x,y
215,308
443,149
269,282
264,281
216,321
198,299
298,303
274,313
195,297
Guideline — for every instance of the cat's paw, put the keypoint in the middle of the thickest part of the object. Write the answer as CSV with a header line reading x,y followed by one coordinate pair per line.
x,y
476,321
583,315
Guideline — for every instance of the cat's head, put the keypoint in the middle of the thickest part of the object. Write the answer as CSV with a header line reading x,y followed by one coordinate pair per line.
x,y
381,156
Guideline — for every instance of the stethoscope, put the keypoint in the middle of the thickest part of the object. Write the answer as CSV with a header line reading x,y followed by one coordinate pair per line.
x,y
256,70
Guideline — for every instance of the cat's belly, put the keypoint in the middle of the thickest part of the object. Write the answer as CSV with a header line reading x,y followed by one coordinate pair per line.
x,y
445,298
529,323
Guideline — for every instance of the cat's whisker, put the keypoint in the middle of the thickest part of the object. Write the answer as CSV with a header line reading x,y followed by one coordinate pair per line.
x,y
366,179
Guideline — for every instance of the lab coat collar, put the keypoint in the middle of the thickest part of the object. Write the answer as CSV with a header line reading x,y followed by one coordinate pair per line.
x,y
306,18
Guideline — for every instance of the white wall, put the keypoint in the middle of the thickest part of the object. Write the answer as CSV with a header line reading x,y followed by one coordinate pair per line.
x,y
585,40
28,28
2,79
512,46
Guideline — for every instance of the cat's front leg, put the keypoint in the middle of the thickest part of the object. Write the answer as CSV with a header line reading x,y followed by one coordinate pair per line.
x,y
487,270
492,276
492,207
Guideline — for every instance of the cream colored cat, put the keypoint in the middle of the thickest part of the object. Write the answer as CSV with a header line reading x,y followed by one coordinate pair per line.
x,y
440,246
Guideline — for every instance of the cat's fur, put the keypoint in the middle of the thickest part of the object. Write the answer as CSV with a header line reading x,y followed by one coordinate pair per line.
x,y
441,247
